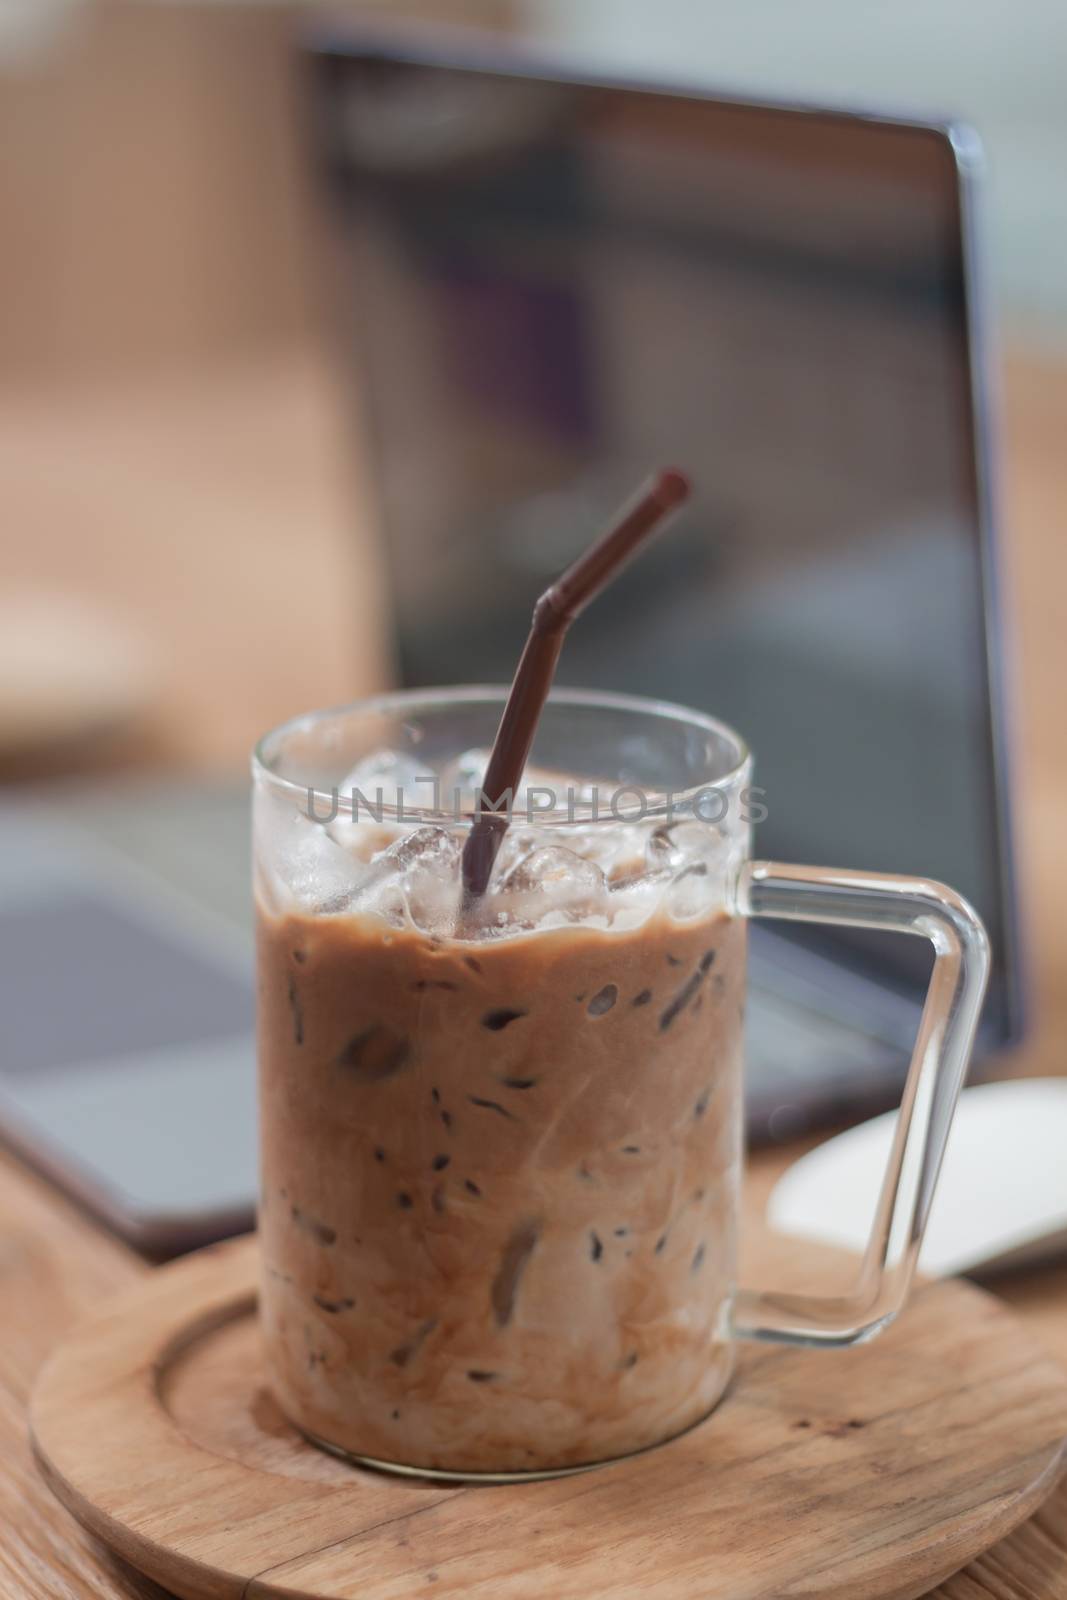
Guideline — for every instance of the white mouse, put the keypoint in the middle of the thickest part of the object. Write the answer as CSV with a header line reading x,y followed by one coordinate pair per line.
x,y
1001,1198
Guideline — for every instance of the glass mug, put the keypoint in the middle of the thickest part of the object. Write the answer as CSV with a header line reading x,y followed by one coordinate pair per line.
x,y
501,1146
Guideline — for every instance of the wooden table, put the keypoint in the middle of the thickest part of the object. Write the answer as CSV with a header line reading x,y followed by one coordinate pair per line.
x,y
54,1263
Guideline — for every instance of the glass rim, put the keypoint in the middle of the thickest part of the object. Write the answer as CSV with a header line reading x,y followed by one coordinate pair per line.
x,y
666,803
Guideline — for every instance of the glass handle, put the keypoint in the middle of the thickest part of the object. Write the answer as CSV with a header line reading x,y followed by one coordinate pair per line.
x,y
938,1066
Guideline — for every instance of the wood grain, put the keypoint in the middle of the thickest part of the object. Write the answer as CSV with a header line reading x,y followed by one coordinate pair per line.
x,y
872,1471
53,1266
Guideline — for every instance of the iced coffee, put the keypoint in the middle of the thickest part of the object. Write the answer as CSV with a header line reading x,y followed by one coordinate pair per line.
x,y
499,1153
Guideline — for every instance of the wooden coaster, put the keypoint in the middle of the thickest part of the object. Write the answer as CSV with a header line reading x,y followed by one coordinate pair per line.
x,y
869,1472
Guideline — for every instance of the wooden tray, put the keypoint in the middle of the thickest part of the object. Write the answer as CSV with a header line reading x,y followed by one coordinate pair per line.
x,y
864,1473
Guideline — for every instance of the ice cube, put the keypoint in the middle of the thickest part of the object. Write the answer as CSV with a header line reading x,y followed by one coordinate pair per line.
x,y
380,894
423,870
390,777
557,871
662,854
518,842
690,893
693,855
619,849
310,867
387,779
550,881
425,850
674,846
636,896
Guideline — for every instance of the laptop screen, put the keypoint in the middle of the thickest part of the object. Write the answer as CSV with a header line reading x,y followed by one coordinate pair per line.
x,y
552,287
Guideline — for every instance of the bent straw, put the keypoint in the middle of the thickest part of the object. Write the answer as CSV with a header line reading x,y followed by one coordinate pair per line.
x,y
553,614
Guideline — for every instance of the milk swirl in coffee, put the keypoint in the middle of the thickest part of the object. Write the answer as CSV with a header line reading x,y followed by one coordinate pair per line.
x,y
499,1154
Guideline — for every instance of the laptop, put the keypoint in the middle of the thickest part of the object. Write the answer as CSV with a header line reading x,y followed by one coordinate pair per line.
x,y
550,285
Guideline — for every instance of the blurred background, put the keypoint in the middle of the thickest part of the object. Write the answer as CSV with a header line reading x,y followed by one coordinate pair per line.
x,y
190,522
179,488
192,537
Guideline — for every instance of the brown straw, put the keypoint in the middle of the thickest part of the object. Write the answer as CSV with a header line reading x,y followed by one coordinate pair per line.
x,y
553,615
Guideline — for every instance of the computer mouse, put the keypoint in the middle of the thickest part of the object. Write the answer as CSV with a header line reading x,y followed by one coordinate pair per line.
x,y
1002,1195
